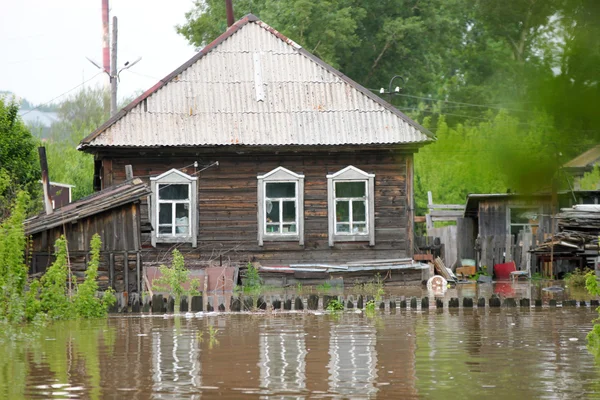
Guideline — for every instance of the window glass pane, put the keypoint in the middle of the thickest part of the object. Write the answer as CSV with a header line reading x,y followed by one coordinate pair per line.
x,y
289,211
281,189
359,228
165,213
182,218
289,228
524,216
173,192
358,211
272,228
272,208
165,230
343,228
342,212
350,189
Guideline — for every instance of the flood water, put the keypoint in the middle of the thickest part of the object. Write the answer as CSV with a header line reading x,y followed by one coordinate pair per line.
x,y
437,354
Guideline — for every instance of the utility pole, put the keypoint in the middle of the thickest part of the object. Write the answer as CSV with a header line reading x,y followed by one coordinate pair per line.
x,y
105,49
113,70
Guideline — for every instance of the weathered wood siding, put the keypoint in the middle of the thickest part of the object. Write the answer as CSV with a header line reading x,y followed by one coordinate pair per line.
x,y
227,204
120,242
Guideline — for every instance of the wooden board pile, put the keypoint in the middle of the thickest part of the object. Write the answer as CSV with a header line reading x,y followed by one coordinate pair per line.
x,y
580,218
579,230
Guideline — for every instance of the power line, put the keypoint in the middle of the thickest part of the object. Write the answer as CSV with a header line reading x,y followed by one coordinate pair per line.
x,y
61,95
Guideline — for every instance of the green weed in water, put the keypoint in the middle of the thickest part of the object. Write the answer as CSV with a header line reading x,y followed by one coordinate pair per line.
x,y
335,305
593,337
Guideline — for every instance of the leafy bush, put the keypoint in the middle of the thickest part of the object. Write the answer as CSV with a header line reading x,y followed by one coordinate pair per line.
x,y
593,337
335,305
13,271
577,278
174,277
87,304
324,287
53,294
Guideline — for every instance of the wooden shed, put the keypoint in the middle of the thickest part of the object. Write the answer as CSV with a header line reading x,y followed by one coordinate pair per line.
x,y
114,214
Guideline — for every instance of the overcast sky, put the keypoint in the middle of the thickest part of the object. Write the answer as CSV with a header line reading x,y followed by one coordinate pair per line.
x,y
43,44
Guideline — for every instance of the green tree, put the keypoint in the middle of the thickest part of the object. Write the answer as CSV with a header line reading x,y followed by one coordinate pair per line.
x,y
19,165
13,271
78,117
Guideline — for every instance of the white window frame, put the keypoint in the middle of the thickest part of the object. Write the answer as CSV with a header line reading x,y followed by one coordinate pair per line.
x,y
280,175
351,174
175,177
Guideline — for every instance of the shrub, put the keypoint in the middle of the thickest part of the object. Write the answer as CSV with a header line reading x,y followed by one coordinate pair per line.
x,y
86,302
13,271
577,278
174,277
53,295
335,305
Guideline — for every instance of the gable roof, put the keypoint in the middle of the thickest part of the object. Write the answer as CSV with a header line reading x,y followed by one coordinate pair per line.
x,y
254,86
585,161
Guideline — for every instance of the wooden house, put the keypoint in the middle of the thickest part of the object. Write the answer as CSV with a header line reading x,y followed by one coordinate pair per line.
x,y
256,150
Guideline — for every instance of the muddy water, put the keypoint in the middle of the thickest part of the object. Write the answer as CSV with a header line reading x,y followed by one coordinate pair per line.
x,y
462,354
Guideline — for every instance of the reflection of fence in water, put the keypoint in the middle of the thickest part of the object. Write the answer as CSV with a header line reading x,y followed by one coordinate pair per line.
x,y
175,363
282,359
352,360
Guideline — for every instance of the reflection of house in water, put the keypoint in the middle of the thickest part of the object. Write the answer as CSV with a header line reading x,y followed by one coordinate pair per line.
x,y
353,359
175,363
282,358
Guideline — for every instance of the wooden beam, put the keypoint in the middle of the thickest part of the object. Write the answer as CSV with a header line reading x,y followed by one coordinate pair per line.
x,y
446,206
420,218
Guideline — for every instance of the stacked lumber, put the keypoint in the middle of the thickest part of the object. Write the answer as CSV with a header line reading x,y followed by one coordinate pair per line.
x,y
579,230
582,217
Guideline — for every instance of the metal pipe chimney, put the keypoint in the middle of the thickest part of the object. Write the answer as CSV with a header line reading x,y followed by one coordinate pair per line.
x,y
229,7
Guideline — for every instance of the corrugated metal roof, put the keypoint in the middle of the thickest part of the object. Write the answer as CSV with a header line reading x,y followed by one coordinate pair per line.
x,y
106,199
253,86
585,160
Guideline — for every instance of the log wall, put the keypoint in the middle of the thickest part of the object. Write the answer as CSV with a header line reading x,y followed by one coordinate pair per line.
x,y
227,203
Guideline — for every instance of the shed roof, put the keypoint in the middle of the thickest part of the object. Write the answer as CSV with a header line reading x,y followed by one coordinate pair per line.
x,y
585,160
253,86
106,199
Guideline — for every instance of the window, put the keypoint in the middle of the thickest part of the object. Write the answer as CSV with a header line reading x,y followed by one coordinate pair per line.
x,y
281,206
173,208
523,219
351,208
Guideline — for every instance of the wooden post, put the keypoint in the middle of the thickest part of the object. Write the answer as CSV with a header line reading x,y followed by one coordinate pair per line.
x,y
45,180
111,269
126,271
136,241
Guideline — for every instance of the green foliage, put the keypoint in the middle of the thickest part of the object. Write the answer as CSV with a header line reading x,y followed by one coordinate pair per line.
x,y
13,271
593,337
325,287
590,180
173,278
54,299
78,117
86,302
505,86
252,284
372,288
577,278
19,165
370,308
335,305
